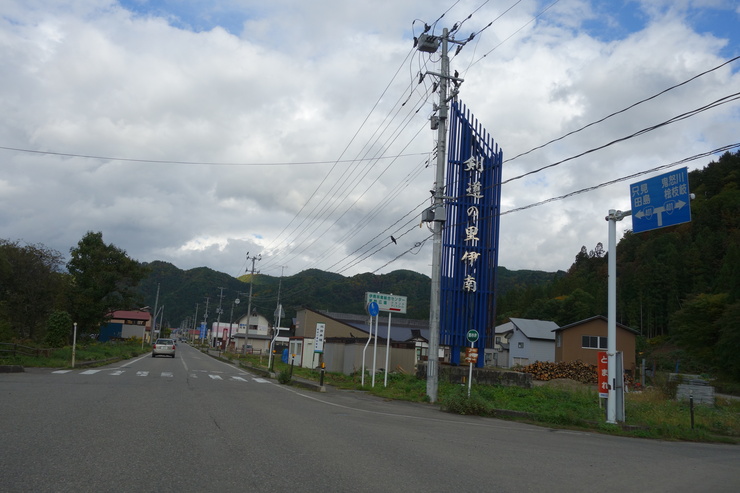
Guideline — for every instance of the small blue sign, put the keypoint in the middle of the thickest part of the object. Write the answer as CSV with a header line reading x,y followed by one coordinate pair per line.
x,y
661,201
373,309
202,331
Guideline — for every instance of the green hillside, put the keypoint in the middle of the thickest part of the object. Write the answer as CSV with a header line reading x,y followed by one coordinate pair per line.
x,y
181,290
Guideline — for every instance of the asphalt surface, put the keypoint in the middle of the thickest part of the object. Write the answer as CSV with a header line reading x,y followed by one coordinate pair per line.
x,y
194,423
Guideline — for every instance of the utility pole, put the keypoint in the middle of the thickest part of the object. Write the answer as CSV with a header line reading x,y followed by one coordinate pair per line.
x,y
249,305
278,315
195,324
219,310
154,318
436,214
205,320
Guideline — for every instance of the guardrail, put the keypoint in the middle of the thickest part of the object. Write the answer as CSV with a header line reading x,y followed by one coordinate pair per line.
x,y
16,349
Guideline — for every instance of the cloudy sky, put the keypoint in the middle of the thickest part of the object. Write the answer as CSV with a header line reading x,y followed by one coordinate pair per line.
x,y
198,132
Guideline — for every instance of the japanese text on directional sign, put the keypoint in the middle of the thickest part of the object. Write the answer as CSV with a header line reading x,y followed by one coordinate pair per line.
x,y
661,201
471,355
319,344
603,376
387,302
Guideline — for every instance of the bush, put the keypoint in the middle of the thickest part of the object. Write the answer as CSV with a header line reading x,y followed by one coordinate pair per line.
x,y
284,377
459,402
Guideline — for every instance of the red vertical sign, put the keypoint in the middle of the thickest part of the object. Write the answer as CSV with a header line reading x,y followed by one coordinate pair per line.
x,y
603,377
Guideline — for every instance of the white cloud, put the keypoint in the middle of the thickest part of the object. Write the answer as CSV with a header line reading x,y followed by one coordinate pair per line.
x,y
292,82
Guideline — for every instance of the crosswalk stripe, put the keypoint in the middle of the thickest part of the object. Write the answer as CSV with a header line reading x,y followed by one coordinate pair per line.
x,y
168,374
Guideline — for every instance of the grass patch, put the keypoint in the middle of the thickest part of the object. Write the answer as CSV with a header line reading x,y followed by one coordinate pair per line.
x,y
84,354
649,414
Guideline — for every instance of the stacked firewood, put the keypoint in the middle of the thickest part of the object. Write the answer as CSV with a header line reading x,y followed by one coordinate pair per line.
x,y
574,370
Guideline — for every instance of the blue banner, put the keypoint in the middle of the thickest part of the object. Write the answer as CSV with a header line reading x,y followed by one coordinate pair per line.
x,y
471,235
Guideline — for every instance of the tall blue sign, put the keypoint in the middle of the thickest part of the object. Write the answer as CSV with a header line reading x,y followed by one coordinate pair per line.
x,y
471,235
661,201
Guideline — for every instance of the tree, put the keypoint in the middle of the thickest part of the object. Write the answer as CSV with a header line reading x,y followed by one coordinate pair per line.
x,y
104,280
59,329
31,285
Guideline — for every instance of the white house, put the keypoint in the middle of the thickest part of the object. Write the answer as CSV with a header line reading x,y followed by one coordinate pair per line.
x,y
528,341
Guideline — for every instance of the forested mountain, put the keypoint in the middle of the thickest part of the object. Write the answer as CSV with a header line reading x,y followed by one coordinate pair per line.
x,y
181,290
681,282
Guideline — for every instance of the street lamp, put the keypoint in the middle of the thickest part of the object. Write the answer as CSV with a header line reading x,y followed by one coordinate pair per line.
x,y
231,321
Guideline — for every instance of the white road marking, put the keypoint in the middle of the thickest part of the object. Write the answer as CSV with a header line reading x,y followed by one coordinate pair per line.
x,y
89,372
142,373
116,373
239,378
167,374
260,380
215,377
62,371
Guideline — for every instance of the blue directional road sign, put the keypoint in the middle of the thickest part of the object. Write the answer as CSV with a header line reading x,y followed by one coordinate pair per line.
x,y
661,201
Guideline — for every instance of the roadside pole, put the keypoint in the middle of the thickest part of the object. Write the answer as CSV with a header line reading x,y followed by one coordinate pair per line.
x,y
74,345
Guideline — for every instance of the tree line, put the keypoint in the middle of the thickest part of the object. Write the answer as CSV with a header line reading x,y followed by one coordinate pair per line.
x,y
679,284
41,297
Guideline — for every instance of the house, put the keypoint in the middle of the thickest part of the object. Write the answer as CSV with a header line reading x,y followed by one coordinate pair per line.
x,y
126,324
259,335
346,336
583,340
528,341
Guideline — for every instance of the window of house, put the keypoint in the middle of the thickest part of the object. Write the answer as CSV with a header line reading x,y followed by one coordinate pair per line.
x,y
559,339
593,342
520,345
498,339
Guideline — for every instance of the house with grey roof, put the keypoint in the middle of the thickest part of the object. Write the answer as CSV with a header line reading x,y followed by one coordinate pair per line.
x,y
526,341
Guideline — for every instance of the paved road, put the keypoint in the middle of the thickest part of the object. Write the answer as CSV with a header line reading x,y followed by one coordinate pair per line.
x,y
195,424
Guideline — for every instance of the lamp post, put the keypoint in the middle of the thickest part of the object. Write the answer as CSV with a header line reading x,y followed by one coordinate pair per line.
x,y
231,321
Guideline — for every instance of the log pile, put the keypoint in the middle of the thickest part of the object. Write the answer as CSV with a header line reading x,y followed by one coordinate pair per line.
x,y
574,370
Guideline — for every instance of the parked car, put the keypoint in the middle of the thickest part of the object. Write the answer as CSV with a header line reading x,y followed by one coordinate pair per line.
x,y
163,346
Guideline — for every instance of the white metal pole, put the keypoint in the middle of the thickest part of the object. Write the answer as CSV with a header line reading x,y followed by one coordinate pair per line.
x,y
364,350
74,345
611,327
387,350
470,373
375,349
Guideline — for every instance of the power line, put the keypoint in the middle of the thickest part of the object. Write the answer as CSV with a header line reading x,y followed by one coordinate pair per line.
x,y
195,163
625,109
624,178
724,100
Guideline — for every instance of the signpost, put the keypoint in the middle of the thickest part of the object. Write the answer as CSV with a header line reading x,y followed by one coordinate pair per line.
x,y
660,201
372,309
603,376
387,303
657,202
471,355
